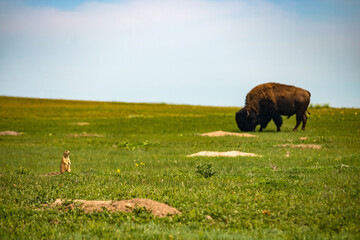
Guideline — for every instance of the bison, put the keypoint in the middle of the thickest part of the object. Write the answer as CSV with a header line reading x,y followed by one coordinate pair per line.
x,y
270,101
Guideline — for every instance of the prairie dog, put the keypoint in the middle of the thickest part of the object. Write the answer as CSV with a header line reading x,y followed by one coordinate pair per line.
x,y
65,162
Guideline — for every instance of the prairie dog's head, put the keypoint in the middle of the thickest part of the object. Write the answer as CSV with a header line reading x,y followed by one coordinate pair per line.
x,y
66,153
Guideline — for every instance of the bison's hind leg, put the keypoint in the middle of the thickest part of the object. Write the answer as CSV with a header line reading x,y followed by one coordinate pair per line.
x,y
304,122
300,117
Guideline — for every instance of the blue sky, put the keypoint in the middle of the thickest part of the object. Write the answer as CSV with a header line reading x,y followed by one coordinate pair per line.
x,y
206,52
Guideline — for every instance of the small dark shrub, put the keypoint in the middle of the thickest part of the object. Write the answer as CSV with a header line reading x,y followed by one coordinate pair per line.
x,y
206,170
21,170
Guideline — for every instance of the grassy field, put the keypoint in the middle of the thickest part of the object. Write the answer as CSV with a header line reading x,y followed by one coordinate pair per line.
x,y
288,193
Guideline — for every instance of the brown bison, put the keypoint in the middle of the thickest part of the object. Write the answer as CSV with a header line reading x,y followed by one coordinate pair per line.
x,y
270,101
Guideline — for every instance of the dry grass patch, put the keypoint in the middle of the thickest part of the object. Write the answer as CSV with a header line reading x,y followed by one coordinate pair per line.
x,y
303,146
51,174
85,135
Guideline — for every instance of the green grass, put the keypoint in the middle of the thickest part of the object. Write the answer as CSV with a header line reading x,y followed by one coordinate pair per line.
x,y
313,194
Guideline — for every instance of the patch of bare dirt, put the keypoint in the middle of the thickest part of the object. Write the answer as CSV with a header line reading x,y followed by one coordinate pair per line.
x,y
304,138
223,154
81,123
85,135
158,209
10,133
303,146
51,174
222,133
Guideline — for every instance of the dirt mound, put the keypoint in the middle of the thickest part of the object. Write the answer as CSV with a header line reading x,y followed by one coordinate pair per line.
x,y
85,135
313,146
304,138
81,123
222,133
51,174
223,154
158,209
10,133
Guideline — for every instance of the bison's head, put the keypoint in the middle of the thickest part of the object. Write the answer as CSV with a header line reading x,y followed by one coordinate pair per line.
x,y
246,119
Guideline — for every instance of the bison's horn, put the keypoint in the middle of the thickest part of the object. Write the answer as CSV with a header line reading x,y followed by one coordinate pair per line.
x,y
247,114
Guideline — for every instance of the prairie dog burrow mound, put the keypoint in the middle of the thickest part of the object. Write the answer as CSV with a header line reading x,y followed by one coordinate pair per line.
x,y
81,123
222,133
158,209
223,154
9,133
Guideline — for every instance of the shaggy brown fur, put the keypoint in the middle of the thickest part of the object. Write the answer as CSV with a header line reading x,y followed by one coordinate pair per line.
x,y
268,102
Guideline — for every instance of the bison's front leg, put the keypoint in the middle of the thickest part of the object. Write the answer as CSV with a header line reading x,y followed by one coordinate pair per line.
x,y
264,122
